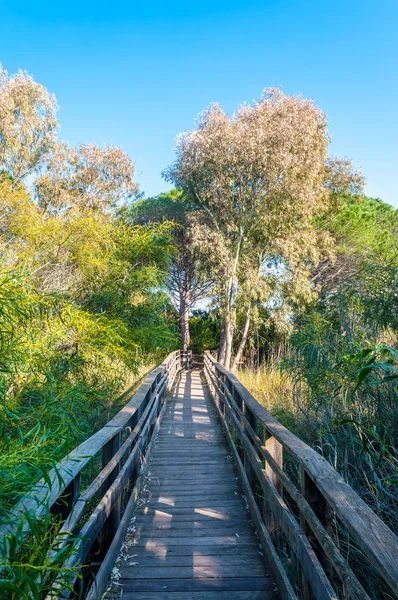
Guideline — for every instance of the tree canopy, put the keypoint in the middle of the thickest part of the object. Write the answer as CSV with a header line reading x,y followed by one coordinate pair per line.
x,y
257,180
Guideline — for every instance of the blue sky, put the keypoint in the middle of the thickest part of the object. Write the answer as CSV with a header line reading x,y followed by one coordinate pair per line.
x,y
135,74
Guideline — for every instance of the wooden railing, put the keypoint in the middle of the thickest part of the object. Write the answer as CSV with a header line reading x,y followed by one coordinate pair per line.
x,y
121,448
299,504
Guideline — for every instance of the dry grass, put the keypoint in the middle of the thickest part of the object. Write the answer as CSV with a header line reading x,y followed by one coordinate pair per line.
x,y
373,478
277,392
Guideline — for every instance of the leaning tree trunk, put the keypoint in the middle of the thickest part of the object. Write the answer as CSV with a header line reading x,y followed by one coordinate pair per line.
x,y
229,337
226,338
231,321
223,344
226,333
243,340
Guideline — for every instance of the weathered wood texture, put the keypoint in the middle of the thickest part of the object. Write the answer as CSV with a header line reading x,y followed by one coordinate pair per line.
x,y
194,537
261,445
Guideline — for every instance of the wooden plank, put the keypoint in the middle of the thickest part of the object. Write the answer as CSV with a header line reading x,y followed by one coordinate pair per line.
x,y
191,489
221,540
193,572
171,525
206,516
179,454
198,504
191,532
226,469
194,446
221,595
192,548
201,528
192,478
192,585
197,500
166,485
147,560
188,426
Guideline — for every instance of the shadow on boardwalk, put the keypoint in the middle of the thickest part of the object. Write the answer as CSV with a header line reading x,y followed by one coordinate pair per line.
x,y
193,538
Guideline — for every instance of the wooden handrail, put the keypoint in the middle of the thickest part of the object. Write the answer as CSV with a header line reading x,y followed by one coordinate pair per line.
x,y
263,442
121,465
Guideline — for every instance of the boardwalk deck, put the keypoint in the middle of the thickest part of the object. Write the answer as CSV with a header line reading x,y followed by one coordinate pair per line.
x,y
194,538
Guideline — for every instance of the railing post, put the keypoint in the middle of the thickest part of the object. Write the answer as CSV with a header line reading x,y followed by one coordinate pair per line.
x,y
218,388
64,505
246,462
237,398
275,449
112,523
213,370
322,510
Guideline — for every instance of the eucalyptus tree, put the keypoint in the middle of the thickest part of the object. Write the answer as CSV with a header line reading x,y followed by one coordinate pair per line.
x,y
28,124
86,176
256,181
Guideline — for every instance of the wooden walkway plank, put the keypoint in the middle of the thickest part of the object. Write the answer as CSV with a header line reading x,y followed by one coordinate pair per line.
x,y
193,538
221,595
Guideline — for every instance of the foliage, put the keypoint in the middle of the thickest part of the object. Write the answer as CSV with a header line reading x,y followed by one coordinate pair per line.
x,y
379,361
29,569
188,281
28,124
368,227
86,177
205,331
257,180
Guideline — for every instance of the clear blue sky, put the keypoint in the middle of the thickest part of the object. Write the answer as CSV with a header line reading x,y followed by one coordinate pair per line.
x,y
137,73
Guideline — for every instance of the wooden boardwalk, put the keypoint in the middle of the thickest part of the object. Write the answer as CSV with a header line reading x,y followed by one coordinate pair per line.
x,y
185,531
194,537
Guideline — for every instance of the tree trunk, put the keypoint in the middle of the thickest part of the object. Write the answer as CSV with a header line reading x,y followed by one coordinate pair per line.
x,y
186,338
227,330
184,321
229,336
223,344
226,340
243,340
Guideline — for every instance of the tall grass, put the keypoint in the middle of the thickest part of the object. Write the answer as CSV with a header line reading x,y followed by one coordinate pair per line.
x,y
356,433
64,372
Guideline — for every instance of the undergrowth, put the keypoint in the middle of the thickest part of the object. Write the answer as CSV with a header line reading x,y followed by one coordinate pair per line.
x,y
355,430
